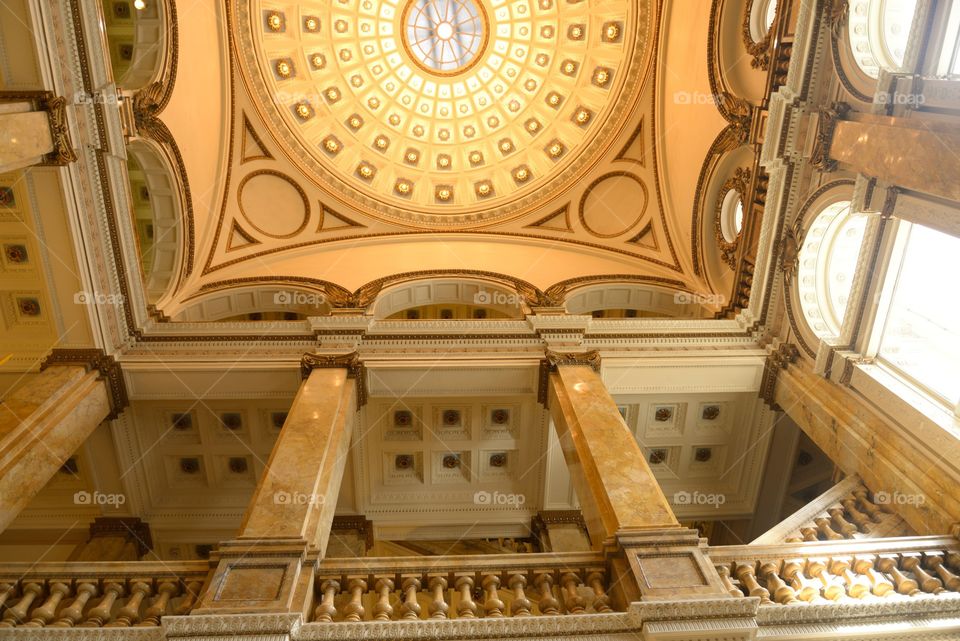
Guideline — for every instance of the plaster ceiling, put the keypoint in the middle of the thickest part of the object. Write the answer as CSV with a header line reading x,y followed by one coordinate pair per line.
x,y
264,134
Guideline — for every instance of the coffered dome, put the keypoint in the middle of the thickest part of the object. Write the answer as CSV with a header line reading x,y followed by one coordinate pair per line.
x,y
445,111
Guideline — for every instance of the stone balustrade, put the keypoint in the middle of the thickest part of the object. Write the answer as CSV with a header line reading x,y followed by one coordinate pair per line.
x,y
461,587
842,571
97,595
846,511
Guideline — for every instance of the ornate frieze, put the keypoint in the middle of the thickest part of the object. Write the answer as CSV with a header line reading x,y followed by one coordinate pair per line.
x,y
95,359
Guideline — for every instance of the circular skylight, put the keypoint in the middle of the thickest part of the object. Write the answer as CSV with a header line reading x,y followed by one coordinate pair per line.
x,y
444,36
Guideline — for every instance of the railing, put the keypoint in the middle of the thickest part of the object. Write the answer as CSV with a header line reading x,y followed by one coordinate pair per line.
x,y
97,595
846,511
461,587
849,571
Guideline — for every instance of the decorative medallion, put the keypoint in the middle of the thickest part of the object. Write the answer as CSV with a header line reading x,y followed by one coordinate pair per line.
x,y
403,461
498,460
231,421
500,416
451,461
657,456
402,418
663,414
710,412
449,85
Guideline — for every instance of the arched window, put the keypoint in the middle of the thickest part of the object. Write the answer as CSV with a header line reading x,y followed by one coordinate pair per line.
x,y
762,15
950,51
827,262
917,335
731,216
879,30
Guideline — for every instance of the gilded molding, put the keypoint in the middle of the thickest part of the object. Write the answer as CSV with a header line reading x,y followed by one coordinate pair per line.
x,y
739,182
95,359
758,50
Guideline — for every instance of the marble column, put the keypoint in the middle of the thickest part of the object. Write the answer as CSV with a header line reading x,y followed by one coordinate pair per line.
x,y
917,154
291,512
33,130
652,555
609,471
42,423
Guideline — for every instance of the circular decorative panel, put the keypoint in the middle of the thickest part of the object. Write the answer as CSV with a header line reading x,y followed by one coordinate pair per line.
x,y
445,111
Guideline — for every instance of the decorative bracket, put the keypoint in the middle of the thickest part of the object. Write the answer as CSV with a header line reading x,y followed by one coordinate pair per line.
x,y
351,362
95,359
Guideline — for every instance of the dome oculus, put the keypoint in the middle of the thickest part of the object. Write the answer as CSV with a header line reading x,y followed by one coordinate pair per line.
x,y
444,36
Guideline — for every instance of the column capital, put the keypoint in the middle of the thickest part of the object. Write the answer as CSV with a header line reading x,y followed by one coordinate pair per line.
x,y
56,108
350,362
777,360
826,123
95,359
552,360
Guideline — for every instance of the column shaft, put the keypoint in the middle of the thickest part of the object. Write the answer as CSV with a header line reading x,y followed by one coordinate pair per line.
x,y
906,152
297,495
615,485
41,425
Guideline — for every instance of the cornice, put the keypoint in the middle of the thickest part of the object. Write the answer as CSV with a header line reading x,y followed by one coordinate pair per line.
x,y
351,362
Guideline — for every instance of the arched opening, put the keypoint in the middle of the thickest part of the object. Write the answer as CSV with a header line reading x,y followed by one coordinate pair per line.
x,y
157,214
137,37
628,300
255,303
827,261
449,299
878,32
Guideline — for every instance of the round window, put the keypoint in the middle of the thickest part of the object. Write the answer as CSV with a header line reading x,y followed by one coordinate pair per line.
x,y
731,216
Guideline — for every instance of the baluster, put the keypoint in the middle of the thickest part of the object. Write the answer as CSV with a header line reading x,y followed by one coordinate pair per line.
x,y
326,610
6,591
823,526
42,615
166,590
466,609
547,603
438,606
953,559
829,589
574,603
354,610
727,582
810,533
807,589
18,613
410,609
868,506
382,611
927,583
950,580
601,600
100,614
190,597
857,586
492,605
782,593
130,612
879,585
73,613
846,528
888,565
859,518
521,605
745,574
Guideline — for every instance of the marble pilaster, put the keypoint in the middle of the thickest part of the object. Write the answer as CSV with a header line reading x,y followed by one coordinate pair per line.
x,y
41,425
